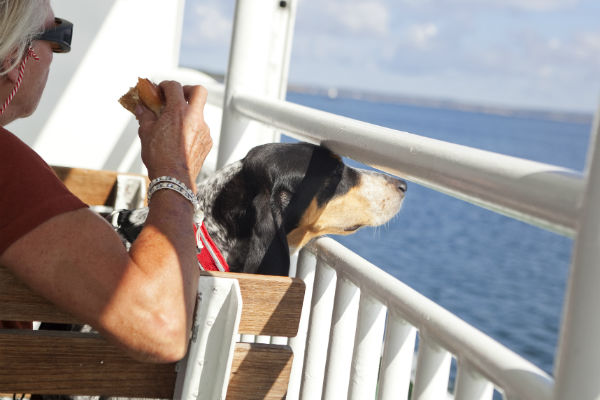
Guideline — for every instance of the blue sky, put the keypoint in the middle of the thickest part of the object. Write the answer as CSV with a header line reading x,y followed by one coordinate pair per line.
x,y
522,53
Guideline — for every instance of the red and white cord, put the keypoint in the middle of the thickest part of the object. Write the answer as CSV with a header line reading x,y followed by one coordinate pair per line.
x,y
30,53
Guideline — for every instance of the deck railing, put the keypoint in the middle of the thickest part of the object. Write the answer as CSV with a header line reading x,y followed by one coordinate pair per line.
x,y
361,327
361,324
355,305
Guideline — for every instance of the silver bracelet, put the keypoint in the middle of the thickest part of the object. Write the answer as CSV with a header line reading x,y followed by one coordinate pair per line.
x,y
167,182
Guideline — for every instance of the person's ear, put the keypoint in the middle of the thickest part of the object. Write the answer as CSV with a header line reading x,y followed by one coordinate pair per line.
x,y
12,74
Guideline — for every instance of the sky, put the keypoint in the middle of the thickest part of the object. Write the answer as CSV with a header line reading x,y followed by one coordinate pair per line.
x,y
540,54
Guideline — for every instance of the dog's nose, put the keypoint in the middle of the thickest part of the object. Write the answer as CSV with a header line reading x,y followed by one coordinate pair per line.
x,y
402,185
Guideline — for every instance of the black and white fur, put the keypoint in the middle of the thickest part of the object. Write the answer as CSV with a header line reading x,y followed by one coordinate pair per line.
x,y
279,197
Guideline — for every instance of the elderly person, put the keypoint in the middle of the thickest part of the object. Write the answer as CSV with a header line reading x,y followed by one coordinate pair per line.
x,y
142,300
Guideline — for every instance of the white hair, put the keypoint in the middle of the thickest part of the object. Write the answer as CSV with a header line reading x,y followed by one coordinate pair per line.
x,y
20,22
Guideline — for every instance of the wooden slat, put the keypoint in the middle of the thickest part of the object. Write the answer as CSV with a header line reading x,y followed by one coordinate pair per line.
x,y
91,186
271,304
94,187
259,371
48,362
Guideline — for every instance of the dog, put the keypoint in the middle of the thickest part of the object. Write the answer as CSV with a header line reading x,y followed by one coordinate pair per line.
x,y
270,204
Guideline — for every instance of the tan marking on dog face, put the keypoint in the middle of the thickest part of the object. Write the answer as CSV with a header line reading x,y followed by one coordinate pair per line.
x,y
374,201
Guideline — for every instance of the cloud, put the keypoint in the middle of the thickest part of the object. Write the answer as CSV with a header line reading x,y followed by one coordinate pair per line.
x,y
586,47
527,48
421,35
210,22
344,17
523,5
207,27
534,5
360,16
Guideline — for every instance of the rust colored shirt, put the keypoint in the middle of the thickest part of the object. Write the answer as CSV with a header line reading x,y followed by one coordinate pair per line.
x,y
30,191
30,194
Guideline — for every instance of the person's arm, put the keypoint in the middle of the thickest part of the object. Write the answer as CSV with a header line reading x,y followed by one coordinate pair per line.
x,y
144,299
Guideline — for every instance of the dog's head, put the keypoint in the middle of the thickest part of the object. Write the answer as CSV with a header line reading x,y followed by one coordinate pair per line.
x,y
284,195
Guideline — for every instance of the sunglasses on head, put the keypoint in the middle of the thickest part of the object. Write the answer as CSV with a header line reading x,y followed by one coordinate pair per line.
x,y
59,35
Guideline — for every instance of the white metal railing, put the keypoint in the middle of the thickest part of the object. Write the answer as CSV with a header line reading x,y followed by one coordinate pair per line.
x,y
353,302
360,316
354,305
351,297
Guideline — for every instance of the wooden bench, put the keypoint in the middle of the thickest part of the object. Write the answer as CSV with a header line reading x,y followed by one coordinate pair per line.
x,y
74,363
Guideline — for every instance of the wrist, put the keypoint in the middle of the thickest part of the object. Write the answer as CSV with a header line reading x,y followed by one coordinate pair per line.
x,y
182,175
172,184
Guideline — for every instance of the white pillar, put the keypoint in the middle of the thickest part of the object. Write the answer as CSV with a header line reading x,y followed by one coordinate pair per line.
x,y
258,64
578,357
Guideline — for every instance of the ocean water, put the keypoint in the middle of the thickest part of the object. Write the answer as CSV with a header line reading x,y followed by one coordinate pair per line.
x,y
503,276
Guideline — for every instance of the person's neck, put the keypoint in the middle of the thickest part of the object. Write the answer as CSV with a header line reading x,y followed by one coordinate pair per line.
x,y
7,118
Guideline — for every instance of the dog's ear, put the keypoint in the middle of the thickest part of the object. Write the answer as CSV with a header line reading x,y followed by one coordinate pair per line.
x,y
268,251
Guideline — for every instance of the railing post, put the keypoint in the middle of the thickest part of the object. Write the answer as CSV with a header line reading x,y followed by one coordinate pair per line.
x,y
319,326
258,64
367,348
341,340
433,370
578,357
396,363
470,385
305,270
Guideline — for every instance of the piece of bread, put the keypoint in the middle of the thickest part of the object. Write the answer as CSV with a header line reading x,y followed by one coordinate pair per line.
x,y
145,92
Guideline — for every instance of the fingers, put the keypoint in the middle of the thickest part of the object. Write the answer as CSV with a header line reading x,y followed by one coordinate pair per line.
x,y
196,96
173,93
144,115
146,118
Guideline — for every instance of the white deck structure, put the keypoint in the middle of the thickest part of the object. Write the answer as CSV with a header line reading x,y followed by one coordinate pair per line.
x,y
350,303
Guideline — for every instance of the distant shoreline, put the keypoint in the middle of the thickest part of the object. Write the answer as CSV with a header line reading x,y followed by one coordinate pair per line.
x,y
562,116
552,115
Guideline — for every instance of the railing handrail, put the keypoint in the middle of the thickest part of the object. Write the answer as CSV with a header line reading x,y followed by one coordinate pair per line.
x,y
541,194
497,363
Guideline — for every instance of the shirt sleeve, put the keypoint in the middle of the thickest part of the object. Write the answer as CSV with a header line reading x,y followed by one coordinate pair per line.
x,y
30,191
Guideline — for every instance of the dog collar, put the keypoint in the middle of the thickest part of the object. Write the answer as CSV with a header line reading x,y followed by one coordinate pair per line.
x,y
209,256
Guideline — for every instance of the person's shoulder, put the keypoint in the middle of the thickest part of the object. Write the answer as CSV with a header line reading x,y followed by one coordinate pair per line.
x,y
10,142
15,153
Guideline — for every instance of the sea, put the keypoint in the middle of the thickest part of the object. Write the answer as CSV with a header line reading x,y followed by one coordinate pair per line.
x,y
502,276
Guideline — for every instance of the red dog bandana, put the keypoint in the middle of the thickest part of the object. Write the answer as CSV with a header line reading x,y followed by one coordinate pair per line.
x,y
209,256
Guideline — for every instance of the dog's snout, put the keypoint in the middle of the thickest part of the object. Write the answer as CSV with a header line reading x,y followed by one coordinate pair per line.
x,y
402,185
398,183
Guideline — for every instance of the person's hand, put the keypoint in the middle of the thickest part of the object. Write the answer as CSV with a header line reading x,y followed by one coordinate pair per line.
x,y
176,143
